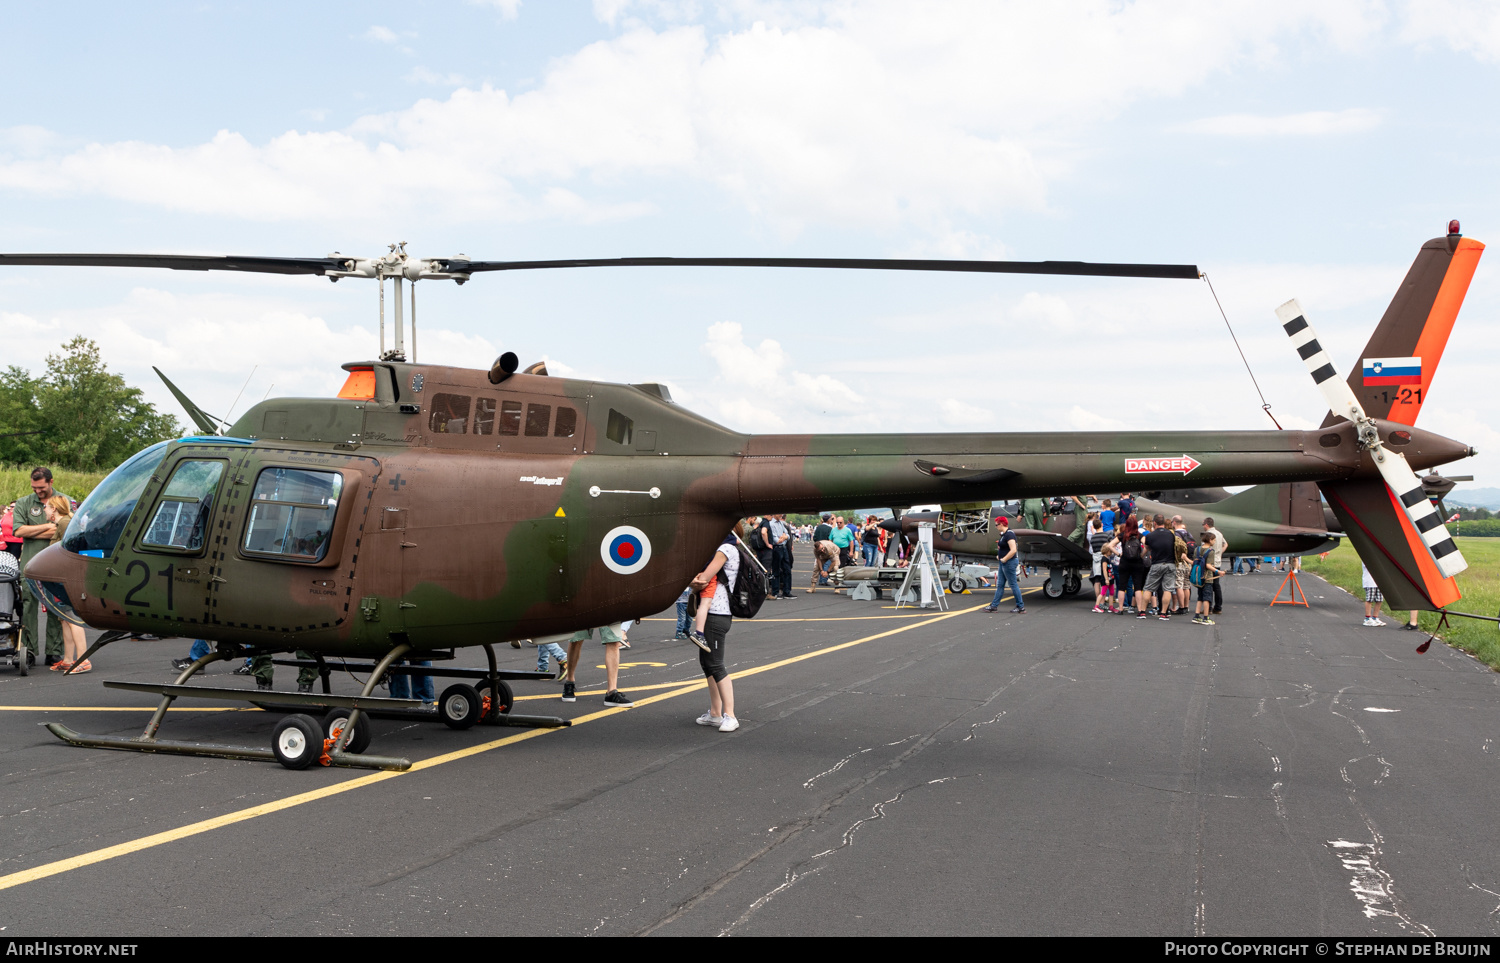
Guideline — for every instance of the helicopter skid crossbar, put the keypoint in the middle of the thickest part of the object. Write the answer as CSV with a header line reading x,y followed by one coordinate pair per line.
x,y
300,699
524,675
346,759
431,715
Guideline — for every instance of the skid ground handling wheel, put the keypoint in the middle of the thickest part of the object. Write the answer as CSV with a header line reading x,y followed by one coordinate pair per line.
x,y
337,720
459,706
495,707
297,741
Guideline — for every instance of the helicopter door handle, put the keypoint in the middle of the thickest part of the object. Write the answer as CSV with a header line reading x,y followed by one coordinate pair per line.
x,y
111,571
408,544
215,578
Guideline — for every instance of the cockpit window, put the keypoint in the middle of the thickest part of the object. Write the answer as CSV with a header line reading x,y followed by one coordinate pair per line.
x,y
292,512
97,524
184,508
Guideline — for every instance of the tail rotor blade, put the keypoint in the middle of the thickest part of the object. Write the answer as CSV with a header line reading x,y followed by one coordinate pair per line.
x,y
1407,488
1335,390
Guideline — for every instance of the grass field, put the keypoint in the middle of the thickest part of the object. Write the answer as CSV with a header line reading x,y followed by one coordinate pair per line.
x,y
1480,585
15,482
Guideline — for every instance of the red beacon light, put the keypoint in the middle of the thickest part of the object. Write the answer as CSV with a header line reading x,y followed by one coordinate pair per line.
x,y
1453,226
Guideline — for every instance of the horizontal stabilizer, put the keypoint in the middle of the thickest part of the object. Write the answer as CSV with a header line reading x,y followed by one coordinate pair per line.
x,y
1390,546
1310,536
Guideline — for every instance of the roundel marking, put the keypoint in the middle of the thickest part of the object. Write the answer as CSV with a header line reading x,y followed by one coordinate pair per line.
x,y
625,550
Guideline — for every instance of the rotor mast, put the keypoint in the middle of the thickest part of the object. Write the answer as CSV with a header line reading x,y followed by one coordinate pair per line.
x,y
398,266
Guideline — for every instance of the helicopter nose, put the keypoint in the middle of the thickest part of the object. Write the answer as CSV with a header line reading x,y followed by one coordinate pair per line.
x,y
55,567
891,525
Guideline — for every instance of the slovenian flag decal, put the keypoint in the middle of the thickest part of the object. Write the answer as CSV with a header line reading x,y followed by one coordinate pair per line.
x,y
1393,371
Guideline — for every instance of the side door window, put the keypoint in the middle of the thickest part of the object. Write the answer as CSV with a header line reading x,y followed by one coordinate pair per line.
x,y
448,414
181,518
292,512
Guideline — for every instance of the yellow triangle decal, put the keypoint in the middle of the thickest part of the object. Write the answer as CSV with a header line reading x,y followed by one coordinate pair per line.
x,y
560,514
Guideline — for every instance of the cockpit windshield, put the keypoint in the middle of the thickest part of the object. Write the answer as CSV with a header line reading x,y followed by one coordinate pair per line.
x,y
97,524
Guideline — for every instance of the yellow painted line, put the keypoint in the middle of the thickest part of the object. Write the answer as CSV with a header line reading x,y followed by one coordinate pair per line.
x,y
264,809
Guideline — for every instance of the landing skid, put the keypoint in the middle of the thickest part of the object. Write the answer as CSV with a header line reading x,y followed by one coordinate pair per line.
x,y
300,740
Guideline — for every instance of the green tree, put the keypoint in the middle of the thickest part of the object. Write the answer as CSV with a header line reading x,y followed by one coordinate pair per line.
x,y
88,417
19,442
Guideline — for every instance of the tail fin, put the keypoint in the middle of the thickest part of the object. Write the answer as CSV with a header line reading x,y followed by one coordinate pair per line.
x,y
1294,504
1416,325
1389,545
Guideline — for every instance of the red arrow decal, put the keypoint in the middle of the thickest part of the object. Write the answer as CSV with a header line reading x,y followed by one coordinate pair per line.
x,y
1137,466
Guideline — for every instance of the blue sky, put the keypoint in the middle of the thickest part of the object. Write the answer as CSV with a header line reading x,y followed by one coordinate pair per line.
x,y
1289,149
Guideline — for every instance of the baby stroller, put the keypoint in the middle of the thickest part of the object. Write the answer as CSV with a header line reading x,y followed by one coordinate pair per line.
x,y
12,646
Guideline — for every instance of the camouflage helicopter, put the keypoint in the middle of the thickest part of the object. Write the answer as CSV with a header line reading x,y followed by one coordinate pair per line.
x,y
326,524
1289,518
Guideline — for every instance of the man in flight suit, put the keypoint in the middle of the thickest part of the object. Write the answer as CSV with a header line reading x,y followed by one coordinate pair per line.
x,y
35,532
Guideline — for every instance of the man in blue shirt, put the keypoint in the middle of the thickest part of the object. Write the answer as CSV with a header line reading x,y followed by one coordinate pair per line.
x,y
1010,568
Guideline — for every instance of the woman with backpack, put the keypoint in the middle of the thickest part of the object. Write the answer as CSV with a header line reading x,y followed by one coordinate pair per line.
x,y
1130,581
724,571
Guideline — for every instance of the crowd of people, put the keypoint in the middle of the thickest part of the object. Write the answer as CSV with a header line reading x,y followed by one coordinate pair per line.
x,y
1154,566
835,541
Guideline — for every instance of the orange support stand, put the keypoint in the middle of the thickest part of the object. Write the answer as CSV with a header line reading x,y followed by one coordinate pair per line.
x,y
1296,590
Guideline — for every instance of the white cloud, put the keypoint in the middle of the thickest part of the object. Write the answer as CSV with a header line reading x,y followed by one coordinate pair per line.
x,y
1050,311
1469,26
763,373
1081,419
1314,123
856,115
962,415
509,9
208,344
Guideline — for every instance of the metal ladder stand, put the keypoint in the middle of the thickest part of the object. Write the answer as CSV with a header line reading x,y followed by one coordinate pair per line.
x,y
925,565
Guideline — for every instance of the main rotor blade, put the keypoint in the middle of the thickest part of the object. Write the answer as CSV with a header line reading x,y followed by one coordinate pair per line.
x,y
323,265
183,262
1077,268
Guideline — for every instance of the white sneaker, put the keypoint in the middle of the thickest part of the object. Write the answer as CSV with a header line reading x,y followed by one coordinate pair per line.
x,y
729,724
1377,621
709,719
1369,621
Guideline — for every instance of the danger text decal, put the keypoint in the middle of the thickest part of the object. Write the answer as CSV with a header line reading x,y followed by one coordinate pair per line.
x,y
1182,463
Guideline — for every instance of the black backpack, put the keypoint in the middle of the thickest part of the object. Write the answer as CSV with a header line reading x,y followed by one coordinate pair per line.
x,y
1132,550
749,591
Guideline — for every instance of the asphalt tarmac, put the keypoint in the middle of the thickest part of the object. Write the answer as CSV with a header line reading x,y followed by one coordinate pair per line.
x,y
1285,772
